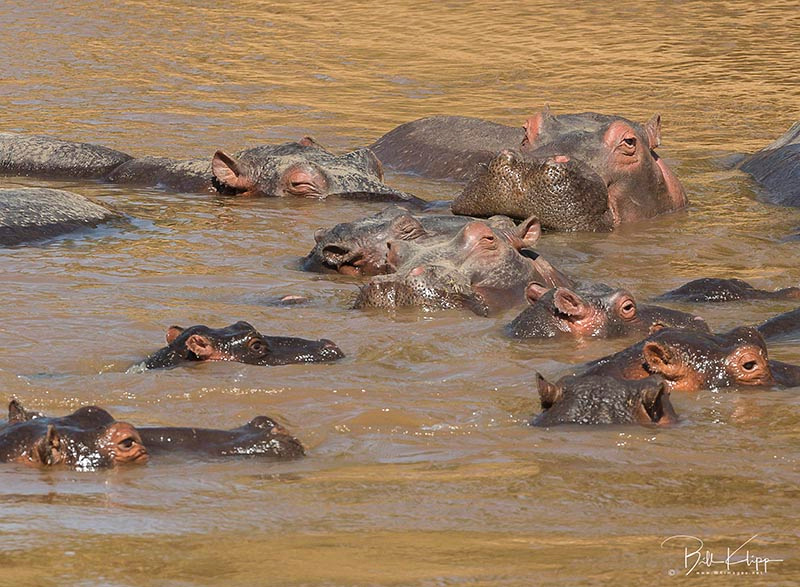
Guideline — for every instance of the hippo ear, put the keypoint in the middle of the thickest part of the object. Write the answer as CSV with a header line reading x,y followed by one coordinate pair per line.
x,y
173,332
534,291
529,231
47,451
533,127
651,389
16,413
549,394
653,130
406,227
660,358
230,172
569,303
309,142
366,161
319,234
200,346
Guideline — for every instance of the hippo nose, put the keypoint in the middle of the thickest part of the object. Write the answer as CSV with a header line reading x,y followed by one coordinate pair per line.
x,y
560,159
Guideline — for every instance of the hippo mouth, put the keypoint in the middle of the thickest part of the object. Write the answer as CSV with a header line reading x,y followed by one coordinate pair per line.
x,y
656,407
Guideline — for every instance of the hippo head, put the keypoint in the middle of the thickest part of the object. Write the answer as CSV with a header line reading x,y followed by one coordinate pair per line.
x,y
359,248
578,172
238,342
482,267
302,169
89,438
593,310
262,436
604,400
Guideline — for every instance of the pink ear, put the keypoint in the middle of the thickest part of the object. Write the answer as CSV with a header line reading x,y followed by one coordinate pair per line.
x,y
529,231
173,332
308,142
569,303
229,171
534,291
653,130
533,127
200,346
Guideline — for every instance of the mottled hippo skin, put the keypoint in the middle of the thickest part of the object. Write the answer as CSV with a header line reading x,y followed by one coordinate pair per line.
x,y
781,327
711,289
40,156
29,214
260,437
604,400
359,248
777,168
593,310
89,438
691,361
577,172
483,268
239,342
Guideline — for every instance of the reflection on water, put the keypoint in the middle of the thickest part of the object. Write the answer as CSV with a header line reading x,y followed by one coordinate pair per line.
x,y
420,468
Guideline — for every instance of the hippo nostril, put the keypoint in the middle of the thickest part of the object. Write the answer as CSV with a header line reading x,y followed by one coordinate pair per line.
x,y
560,159
417,271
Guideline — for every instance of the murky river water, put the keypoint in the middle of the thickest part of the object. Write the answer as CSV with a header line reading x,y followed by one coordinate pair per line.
x,y
420,468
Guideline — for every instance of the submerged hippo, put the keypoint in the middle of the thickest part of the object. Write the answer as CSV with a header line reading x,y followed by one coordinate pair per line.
x,y
781,327
593,310
41,156
690,361
711,289
777,168
482,267
359,248
604,400
89,438
577,172
261,437
29,214
238,342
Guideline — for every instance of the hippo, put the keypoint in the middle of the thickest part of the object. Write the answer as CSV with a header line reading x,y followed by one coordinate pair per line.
x,y
359,248
595,399
776,168
593,310
781,327
30,214
712,289
482,267
691,361
260,437
187,175
42,156
239,342
587,172
89,438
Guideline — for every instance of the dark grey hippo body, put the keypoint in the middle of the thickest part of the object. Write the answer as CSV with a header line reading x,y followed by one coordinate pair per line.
x,y
359,248
483,267
190,175
712,289
445,147
584,171
604,400
261,437
781,327
776,168
47,157
28,214
593,310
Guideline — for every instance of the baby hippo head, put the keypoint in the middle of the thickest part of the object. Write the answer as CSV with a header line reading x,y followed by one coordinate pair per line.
x,y
604,400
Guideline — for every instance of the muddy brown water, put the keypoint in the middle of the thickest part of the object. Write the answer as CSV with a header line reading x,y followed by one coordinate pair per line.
x,y
420,468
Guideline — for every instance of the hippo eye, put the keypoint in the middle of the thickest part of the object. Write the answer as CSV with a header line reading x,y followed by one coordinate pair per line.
x,y
628,309
750,365
127,443
256,345
630,141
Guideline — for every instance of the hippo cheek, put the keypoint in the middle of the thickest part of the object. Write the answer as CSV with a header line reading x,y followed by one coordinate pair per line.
x,y
304,179
674,189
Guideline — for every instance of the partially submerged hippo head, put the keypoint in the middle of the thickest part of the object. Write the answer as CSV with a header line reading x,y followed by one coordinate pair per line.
x,y
577,172
260,437
359,248
238,342
690,361
303,169
482,267
593,310
714,289
89,438
604,400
